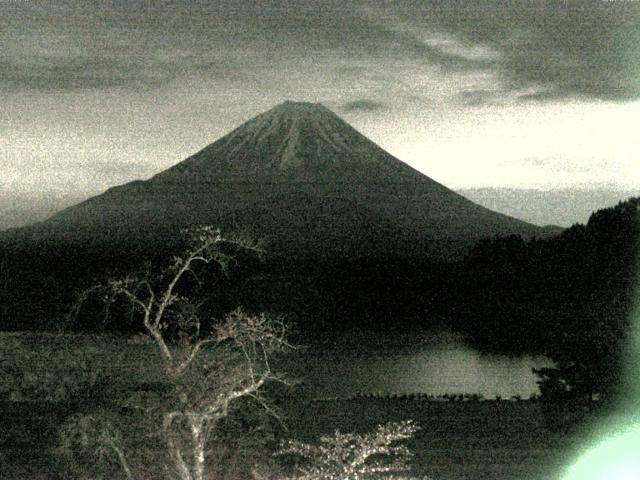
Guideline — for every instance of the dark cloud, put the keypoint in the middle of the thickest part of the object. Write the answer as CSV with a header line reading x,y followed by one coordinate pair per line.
x,y
588,48
102,71
142,45
542,96
583,48
136,45
477,98
363,105
80,73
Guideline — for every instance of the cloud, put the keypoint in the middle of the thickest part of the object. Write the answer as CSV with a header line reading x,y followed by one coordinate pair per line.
x,y
540,96
80,73
585,49
565,165
138,46
131,45
363,105
477,98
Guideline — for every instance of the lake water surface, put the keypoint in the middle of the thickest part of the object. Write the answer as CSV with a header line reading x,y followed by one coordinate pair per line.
x,y
436,364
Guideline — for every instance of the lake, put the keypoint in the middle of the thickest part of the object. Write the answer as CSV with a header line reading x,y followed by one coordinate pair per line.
x,y
435,363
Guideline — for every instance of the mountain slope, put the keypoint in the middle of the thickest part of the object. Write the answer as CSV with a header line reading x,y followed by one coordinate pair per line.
x,y
302,179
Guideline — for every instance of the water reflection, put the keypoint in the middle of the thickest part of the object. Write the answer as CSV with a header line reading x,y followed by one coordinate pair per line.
x,y
436,364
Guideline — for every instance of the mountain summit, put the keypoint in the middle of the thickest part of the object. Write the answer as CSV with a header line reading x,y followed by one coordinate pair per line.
x,y
293,141
302,179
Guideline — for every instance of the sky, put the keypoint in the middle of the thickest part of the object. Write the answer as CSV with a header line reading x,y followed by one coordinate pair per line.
x,y
522,94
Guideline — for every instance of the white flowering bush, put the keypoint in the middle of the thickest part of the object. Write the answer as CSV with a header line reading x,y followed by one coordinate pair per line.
x,y
351,456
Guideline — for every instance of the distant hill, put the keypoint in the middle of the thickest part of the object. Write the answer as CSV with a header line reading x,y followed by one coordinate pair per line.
x,y
302,179
553,206
21,209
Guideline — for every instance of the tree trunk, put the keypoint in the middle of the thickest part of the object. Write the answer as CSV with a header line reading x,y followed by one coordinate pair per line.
x,y
174,450
199,440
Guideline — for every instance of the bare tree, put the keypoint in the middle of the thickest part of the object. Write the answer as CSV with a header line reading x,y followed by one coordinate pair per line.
x,y
209,367
352,456
95,437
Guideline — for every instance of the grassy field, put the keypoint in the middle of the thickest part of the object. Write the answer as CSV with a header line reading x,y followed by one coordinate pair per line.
x,y
494,440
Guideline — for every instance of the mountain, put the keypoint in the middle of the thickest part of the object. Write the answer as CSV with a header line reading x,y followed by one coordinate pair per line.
x,y
300,178
354,236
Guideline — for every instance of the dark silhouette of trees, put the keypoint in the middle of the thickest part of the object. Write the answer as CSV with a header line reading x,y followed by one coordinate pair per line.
x,y
569,297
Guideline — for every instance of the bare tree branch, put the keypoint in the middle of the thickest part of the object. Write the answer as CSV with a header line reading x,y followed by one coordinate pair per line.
x,y
208,371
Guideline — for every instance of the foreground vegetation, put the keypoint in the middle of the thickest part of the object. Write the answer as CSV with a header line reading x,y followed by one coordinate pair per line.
x,y
191,395
466,440
64,376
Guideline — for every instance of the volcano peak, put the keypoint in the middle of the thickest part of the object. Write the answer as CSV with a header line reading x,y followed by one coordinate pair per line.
x,y
293,141
301,111
299,106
